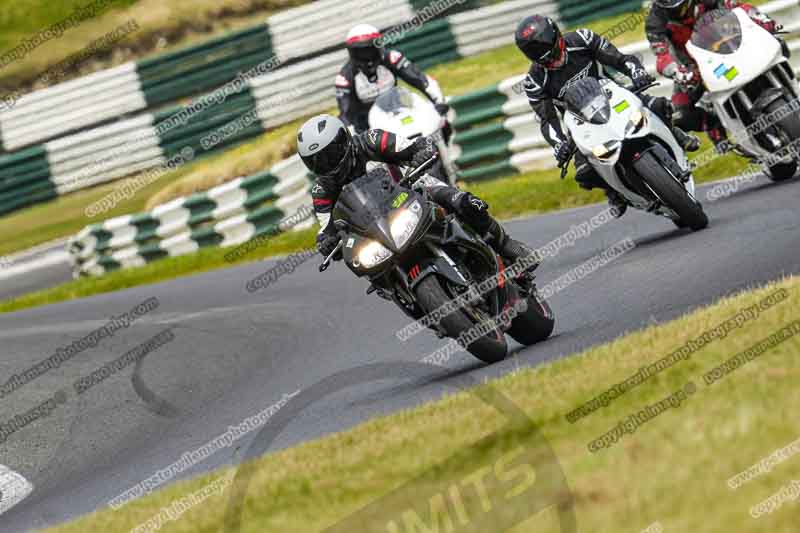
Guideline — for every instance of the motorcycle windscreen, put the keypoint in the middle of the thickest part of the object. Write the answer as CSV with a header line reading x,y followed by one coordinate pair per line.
x,y
718,31
367,201
393,99
586,99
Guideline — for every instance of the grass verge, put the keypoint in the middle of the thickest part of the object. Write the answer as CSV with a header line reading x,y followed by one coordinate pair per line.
x,y
673,470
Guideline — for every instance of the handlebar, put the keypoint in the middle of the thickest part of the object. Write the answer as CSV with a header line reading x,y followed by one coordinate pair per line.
x,y
327,262
650,85
420,169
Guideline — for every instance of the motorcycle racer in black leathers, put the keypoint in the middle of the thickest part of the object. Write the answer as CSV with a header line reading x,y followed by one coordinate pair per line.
x,y
561,60
373,70
337,157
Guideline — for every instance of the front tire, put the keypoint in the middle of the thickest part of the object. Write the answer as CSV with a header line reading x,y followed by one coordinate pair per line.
x,y
431,296
671,192
790,127
535,324
782,171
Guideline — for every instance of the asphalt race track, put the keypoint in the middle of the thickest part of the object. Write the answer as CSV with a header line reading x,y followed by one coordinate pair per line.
x,y
52,267
236,353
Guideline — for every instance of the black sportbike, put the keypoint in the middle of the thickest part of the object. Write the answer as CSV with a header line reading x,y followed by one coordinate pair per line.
x,y
426,261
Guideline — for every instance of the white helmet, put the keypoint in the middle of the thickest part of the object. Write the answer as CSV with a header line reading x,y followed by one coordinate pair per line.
x,y
326,147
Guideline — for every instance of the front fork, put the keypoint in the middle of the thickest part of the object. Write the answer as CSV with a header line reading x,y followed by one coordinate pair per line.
x,y
782,81
449,166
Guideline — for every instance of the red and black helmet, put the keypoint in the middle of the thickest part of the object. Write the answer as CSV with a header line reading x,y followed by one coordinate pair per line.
x,y
362,44
539,38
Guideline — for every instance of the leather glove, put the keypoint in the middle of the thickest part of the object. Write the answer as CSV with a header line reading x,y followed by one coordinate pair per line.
x,y
442,109
425,149
641,78
687,77
326,243
563,151
470,202
765,21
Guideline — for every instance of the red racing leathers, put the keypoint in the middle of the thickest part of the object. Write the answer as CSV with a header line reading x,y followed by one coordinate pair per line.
x,y
668,35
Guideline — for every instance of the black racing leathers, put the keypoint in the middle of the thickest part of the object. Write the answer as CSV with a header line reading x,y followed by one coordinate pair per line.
x,y
382,146
587,54
356,90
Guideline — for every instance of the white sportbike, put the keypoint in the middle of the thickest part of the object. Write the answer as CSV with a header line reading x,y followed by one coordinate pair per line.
x,y
632,150
751,87
410,115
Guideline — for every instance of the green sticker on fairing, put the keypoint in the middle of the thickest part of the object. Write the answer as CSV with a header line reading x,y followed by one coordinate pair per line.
x,y
622,106
722,71
407,120
402,197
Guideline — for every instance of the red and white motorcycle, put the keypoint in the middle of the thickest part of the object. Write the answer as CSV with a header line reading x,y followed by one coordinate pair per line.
x,y
751,87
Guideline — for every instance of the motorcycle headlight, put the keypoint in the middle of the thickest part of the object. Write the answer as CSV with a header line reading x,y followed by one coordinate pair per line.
x,y
403,226
637,121
605,151
373,254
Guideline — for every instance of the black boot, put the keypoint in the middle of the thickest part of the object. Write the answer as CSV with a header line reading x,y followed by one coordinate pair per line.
x,y
617,202
687,141
510,249
474,212
719,137
717,133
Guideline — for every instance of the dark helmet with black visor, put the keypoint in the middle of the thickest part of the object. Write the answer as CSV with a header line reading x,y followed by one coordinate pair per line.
x,y
540,39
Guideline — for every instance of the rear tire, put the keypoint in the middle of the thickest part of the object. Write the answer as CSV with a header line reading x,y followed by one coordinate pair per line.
x,y
790,126
431,296
535,324
671,192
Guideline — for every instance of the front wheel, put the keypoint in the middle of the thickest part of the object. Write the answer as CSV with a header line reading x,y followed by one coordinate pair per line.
x,y
535,324
489,348
789,127
782,171
671,192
